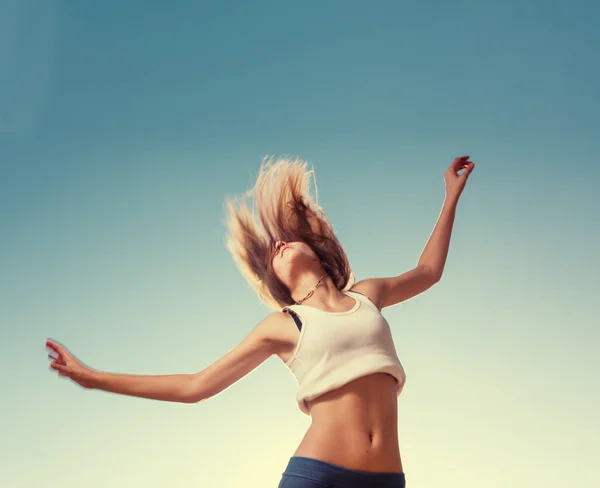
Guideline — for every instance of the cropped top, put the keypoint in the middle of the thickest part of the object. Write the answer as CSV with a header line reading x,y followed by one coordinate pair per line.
x,y
335,348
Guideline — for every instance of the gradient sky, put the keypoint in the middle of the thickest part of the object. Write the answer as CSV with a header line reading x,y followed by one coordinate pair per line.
x,y
123,125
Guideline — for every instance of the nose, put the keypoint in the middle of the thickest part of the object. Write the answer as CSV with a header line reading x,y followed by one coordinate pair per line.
x,y
279,245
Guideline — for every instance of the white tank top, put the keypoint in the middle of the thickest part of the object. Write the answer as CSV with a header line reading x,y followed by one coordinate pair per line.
x,y
335,348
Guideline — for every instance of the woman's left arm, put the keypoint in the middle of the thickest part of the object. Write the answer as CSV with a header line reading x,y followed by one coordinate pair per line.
x,y
385,292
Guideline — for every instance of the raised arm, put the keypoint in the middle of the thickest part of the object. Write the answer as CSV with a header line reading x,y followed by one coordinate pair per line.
x,y
263,341
385,292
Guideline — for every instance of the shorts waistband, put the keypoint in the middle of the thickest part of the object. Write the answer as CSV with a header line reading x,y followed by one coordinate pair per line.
x,y
321,471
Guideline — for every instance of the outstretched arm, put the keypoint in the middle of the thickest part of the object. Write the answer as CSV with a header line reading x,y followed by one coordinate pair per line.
x,y
256,348
385,292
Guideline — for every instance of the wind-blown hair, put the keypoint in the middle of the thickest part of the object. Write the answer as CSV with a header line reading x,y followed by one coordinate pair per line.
x,y
281,208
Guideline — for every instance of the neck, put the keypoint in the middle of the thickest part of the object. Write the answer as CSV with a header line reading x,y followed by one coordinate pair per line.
x,y
325,293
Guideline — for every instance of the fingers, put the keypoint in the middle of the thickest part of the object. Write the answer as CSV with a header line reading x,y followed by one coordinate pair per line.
x,y
59,356
459,163
57,359
468,169
462,163
54,346
62,370
57,348
58,367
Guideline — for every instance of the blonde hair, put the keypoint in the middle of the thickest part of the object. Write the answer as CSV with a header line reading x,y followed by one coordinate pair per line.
x,y
281,208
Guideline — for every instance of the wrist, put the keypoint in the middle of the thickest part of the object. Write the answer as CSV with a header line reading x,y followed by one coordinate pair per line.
x,y
451,199
93,378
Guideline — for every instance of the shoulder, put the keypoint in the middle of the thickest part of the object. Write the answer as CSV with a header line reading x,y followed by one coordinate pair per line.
x,y
372,289
277,330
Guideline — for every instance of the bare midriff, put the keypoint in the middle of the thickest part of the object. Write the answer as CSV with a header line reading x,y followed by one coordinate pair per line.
x,y
356,426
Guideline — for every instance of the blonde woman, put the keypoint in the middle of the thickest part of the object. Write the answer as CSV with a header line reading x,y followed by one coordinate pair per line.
x,y
327,329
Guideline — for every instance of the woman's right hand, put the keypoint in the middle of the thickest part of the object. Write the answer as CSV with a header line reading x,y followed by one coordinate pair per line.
x,y
66,365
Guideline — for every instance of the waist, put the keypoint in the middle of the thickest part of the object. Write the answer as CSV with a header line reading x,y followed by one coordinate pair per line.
x,y
356,426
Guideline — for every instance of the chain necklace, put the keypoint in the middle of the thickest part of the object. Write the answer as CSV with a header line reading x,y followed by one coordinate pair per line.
x,y
310,294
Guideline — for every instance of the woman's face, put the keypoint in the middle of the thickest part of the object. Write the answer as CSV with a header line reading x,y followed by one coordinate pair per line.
x,y
289,257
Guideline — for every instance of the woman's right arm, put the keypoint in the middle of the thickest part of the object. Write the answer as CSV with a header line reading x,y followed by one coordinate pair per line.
x,y
266,339
261,343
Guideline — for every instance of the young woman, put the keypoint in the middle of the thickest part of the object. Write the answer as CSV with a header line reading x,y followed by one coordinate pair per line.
x,y
327,329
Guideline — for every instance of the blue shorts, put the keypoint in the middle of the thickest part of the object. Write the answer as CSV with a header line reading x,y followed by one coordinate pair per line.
x,y
302,472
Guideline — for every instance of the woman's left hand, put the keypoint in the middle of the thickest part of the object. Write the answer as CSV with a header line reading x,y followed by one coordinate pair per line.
x,y
455,182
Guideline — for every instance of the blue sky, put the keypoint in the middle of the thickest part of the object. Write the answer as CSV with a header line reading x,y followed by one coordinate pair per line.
x,y
124,126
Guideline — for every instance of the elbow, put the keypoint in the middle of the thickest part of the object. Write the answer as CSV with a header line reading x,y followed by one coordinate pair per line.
x,y
432,276
191,400
193,391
